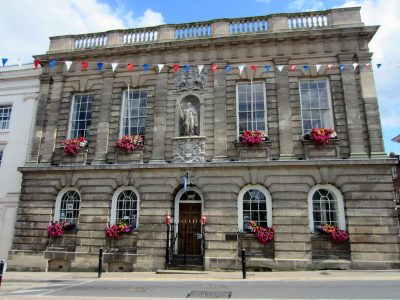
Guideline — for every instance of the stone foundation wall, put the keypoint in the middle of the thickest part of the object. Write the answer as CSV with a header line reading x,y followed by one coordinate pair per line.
x,y
366,188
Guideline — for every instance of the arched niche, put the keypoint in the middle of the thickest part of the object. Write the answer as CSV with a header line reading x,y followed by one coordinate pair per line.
x,y
189,100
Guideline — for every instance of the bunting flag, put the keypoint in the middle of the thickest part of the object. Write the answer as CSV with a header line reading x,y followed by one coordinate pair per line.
x,y
52,64
160,67
280,68
36,63
214,67
4,61
68,64
267,68
145,67
367,66
306,68
292,68
342,67
176,68
241,67
228,67
330,66
130,67
100,66
319,67
186,68
200,67
355,65
378,66
114,66
254,68
84,65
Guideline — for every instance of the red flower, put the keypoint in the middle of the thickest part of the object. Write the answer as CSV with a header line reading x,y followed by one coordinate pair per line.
x,y
128,143
114,231
252,137
322,135
337,235
264,234
73,146
55,229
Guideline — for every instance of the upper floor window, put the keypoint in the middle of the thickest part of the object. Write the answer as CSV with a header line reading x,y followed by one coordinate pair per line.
x,y
134,111
395,174
251,106
67,206
326,207
81,115
125,206
316,110
5,115
254,204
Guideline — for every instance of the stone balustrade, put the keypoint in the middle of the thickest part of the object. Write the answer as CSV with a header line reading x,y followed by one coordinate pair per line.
x,y
209,29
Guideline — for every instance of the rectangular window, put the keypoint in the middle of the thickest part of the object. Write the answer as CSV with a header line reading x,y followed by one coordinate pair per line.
x,y
316,110
251,106
81,115
134,112
5,115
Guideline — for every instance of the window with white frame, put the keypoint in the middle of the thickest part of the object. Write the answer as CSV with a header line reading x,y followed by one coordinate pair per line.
x,y
316,108
134,111
254,204
125,206
81,115
67,206
5,116
251,106
326,207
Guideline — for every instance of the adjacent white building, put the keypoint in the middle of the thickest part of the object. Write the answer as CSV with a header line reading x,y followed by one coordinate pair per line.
x,y
19,86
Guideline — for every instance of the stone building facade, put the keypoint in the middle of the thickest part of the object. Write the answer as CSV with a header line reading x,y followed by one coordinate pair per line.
x,y
281,74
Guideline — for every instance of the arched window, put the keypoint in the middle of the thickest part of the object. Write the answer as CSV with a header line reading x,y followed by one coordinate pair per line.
x,y
125,206
67,206
325,204
254,204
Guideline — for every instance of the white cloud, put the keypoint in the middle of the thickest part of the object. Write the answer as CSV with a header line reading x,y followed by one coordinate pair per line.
x,y
305,5
26,25
264,1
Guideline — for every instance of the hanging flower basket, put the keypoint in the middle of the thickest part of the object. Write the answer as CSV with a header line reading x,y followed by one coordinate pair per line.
x,y
321,136
252,137
73,146
337,235
117,230
55,229
129,143
264,234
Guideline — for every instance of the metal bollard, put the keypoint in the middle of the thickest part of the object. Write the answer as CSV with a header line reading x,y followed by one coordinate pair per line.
x,y
100,262
3,267
244,263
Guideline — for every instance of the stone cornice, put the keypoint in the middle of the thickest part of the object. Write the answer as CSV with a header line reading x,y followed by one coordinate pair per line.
x,y
237,164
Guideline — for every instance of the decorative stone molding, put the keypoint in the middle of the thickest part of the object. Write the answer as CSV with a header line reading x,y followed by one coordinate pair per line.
x,y
313,150
123,157
189,149
191,80
254,152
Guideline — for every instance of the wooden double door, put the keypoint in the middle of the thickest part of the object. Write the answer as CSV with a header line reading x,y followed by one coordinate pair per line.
x,y
189,229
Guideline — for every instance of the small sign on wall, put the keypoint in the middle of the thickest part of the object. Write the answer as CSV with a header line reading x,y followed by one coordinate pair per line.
x,y
231,236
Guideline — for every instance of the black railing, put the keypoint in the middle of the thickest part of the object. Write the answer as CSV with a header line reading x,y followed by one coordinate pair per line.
x,y
185,244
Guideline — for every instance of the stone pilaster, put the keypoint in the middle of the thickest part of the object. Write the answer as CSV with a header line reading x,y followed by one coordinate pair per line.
x,y
52,113
220,136
103,126
284,111
38,128
368,91
353,120
160,118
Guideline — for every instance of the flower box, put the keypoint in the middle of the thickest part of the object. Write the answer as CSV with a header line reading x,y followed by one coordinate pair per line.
x,y
123,157
253,247
330,242
321,151
254,152
77,159
74,146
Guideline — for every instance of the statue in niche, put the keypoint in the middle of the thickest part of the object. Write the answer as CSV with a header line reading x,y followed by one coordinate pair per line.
x,y
190,119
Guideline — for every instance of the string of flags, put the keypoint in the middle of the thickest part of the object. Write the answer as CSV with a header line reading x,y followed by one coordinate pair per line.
x,y
214,67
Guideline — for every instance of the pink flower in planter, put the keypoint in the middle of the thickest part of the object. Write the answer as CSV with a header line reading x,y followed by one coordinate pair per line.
x,y
264,234
129,143
55,229
252,137
322,135
73,146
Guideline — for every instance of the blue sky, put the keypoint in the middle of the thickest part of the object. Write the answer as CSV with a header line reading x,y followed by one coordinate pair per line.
x,y
25,27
